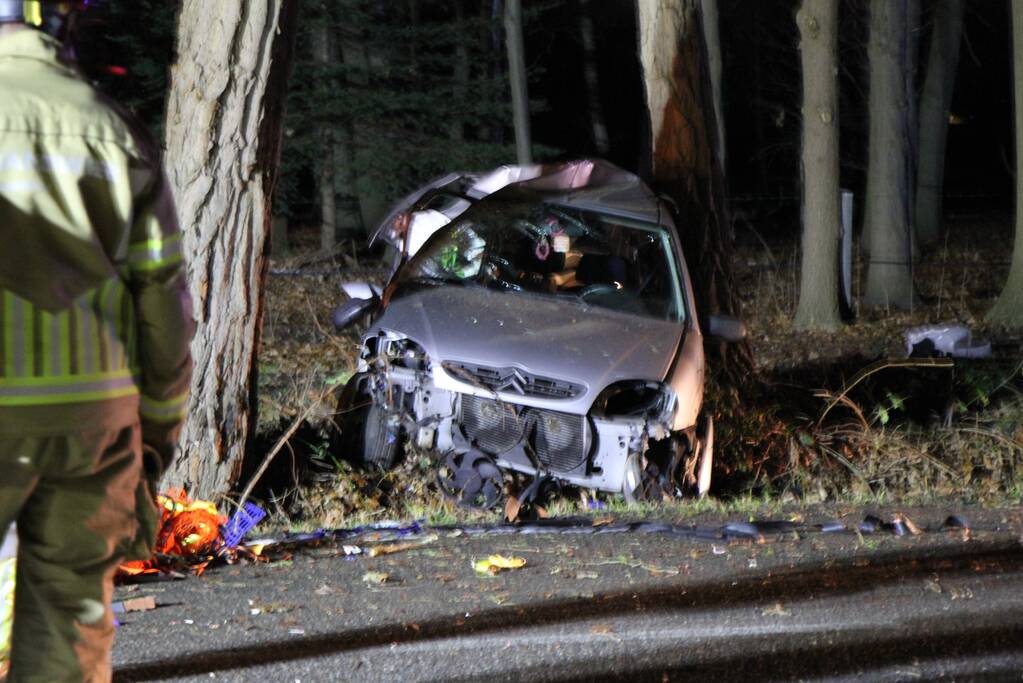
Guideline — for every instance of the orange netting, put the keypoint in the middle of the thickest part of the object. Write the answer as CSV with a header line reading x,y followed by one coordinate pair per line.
x,y
189,530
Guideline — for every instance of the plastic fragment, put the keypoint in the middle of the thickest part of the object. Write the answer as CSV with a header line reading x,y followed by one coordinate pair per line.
x,y
142,604
870,524
956,522
907,524
741,529
377,578
495,564
392,548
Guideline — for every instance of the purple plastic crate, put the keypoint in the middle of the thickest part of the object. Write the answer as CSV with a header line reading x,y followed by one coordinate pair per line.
x,y
241,523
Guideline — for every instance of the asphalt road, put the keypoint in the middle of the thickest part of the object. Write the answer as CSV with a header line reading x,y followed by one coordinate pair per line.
x,y
604,607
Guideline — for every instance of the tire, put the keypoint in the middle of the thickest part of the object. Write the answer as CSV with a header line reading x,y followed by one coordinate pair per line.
x,y
366,440
381,442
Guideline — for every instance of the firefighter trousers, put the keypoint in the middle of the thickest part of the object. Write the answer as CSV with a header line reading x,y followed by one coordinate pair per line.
x,y
73,497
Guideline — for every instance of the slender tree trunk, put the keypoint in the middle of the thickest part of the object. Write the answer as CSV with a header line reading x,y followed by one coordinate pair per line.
x,y
819,287
712,34
889,188
684,162
322,56
224,116
942,65
592,77
461,72
517,76
358,54
1008,309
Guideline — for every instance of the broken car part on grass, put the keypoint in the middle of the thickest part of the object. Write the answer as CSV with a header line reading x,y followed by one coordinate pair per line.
x,y
537,320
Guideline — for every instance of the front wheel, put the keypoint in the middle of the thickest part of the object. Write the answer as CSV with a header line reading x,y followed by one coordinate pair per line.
x,y
381,439
369,438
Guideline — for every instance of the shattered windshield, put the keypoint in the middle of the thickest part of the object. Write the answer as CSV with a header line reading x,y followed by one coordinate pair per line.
x,y
555,251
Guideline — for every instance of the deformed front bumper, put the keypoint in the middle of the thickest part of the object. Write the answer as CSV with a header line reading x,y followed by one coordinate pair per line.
x,y
584,450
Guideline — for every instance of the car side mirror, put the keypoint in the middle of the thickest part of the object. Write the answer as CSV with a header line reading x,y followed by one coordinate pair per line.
x,y
351,312
362,298
727,328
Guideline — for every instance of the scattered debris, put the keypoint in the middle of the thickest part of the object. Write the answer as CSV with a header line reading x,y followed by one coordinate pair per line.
x,y
143,604
193,534
904,524
391,548
495,564
776,610
933,341
378,578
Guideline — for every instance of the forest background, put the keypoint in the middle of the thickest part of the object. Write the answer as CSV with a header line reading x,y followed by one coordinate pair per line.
x,y
385,94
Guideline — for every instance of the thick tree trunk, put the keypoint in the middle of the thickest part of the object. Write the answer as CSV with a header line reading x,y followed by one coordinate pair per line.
x,y
712,34
819,286
1008,309
322,55
684,162
889,179
942,64
517,76
224,116
592,77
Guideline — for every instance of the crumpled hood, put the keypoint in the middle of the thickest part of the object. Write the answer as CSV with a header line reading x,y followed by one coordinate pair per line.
x,y
561,340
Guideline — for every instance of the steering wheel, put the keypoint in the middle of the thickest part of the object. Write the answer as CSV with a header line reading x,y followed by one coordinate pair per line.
x,y
497,269
597,289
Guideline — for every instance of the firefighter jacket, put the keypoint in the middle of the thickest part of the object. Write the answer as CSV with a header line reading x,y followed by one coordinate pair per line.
x,y
95,316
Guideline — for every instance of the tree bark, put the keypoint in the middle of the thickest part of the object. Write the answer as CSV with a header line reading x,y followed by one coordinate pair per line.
x,y
819,285
592,78
517,76
889,180
224,115
1008,309
684,162
942,64
322,55
712,34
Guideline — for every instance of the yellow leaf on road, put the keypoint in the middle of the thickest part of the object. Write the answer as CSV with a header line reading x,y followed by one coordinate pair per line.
x,y
498,563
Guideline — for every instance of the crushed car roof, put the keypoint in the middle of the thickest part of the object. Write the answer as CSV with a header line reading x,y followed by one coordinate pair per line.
x,y
591,184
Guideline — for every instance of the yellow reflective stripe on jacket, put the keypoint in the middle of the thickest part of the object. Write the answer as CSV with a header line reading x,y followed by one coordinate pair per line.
x,y
72,355
156,253
35,391
171,410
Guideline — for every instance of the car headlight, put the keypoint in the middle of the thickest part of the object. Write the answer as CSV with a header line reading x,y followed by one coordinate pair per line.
x,y
403,353
634,399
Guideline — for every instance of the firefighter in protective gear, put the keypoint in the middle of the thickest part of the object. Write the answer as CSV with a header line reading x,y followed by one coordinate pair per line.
x,y
95,326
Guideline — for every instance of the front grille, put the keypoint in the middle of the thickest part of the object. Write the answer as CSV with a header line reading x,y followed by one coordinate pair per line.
x,y
493,426
558,439
513,380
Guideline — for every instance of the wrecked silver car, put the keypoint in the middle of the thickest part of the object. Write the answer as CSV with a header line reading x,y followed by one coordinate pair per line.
x,y
537,320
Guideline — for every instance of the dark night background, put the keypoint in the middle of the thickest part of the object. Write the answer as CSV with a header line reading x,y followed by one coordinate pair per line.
x,y
761,85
